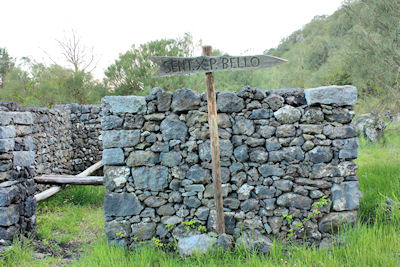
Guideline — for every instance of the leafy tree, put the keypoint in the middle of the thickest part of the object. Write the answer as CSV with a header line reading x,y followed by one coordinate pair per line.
x,y
131,72
6,64
36,84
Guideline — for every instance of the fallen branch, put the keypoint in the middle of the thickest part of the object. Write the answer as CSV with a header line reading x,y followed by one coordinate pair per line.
x,y
55,189
69,179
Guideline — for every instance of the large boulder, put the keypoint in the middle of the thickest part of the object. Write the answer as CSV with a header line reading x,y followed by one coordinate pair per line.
x,y
195,244
371,126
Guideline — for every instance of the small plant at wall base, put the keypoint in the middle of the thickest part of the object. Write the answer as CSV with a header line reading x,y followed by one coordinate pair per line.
x,y
298,227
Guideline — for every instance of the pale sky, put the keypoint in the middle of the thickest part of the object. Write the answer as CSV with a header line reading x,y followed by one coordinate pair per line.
x,y
236,27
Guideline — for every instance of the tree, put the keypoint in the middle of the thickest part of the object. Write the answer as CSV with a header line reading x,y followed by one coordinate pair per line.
x,y
6,64
131,72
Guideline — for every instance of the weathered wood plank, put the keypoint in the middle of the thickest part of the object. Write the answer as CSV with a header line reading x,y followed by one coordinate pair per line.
x,y
171,66
214,139
55,189
69,179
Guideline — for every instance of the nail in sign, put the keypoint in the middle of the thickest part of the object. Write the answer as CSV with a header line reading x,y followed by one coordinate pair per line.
x,y
171,66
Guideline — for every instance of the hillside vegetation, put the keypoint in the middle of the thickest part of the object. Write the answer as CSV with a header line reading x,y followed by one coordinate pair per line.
x,y
359,44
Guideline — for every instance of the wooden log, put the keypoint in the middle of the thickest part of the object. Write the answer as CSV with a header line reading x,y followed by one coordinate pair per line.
x,y
69,179
55,189
215,154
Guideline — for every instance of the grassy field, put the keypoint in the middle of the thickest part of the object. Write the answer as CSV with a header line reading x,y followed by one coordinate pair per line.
x,y
71,228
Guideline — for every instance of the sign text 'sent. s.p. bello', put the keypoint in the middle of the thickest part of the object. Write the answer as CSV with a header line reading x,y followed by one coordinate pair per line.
x,y
171,66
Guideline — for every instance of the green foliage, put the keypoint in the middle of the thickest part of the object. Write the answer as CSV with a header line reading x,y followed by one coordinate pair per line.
x,y
36,84
131,72
6,64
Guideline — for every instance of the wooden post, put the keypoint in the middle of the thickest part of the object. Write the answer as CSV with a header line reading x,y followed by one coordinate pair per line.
x,y
215,155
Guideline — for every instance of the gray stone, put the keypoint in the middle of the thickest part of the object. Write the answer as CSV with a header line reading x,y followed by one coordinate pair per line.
x,y
120,138
153,178
24,158
160,147
287,114
338,95
163,101
349,149
255,241
195,244
115,177
371,126
283,185
339,132
231,203
259,155
121,204
194,117
8,195
117,230
341,115
142,158
125,104
321,154
249,205
154,202
260,114
192,202
274,101
239,178
171,159
198,174
7,132
143,231
264,192
173,129
290,154
224,121
24,118
194,188
229,102
241,153
244,191
345,196
267,170
7,233
9,215
311,128
255,142
202,213
331,222
7,145
171,220
286,130
134,121
225,241
294,201
313,115
185,99
5,118
243,126
111,122
272,144
266,131
275,223
148,212
166,210
225,146
113,156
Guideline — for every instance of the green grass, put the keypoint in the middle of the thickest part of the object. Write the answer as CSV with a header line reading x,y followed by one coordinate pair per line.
x,y
75,216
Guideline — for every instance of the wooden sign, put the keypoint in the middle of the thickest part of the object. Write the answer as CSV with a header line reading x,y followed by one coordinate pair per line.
x,y
171,66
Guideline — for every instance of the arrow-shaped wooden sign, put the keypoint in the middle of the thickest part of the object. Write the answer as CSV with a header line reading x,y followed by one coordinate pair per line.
x,y
171,66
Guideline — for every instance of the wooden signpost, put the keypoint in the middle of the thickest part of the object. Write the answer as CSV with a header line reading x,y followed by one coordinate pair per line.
x,y
171,66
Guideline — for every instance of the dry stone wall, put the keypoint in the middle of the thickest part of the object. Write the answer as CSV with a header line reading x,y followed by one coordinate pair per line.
x,y
37,141
282,151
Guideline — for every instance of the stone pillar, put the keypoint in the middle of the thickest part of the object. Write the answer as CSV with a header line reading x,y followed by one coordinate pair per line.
x,y
17,157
